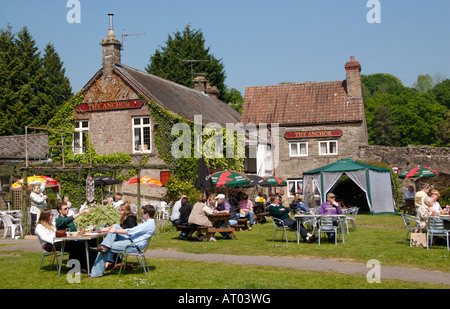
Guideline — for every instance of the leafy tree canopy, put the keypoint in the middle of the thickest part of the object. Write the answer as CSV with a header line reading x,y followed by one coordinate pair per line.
x,y
399,116
32,87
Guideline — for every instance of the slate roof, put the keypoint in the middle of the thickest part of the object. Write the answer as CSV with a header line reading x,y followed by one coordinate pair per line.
x,y
181,100
12,148
301,104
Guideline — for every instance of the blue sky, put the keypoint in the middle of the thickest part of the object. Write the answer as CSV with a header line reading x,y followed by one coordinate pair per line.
x,y
260,42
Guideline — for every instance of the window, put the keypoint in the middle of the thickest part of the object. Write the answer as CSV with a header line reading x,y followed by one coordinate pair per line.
x,y
141,134
294,185
328,148
299,149
80,137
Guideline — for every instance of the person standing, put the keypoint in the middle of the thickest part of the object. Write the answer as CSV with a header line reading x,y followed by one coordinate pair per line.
x,y
38,202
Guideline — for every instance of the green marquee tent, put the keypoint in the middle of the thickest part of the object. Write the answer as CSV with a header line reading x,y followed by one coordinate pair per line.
x,y
374,181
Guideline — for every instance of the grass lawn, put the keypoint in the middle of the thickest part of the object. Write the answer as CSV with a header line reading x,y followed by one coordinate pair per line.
x,y
378,237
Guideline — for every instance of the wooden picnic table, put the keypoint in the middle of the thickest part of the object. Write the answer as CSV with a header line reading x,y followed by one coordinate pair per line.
x,y
217,228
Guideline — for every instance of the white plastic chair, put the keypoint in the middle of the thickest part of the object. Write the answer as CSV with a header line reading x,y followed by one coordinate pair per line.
x,y
436,228
8,223
411,223
326,226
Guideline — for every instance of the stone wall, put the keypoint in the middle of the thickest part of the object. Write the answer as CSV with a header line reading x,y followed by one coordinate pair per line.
x,y
407,157
348,147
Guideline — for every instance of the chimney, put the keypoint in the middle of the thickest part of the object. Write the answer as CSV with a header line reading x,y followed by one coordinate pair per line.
x,y
201,84
354,88
111,47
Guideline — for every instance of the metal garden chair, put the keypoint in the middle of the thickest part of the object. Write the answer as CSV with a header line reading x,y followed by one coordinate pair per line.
x,y
436,228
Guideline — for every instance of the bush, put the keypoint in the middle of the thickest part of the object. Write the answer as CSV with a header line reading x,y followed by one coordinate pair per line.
x,y
99,217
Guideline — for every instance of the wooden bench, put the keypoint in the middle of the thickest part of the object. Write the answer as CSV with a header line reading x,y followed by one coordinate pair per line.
x,y
261,217
195,228
242,224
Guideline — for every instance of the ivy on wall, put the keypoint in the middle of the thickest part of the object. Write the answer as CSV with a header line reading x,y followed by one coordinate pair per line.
x,y
183,170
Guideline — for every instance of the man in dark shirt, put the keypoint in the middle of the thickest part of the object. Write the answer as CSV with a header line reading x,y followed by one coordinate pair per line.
x,y
185,211
277,210
64,221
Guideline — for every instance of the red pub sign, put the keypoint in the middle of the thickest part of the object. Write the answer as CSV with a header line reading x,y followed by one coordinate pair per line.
x,y
103,106
313,134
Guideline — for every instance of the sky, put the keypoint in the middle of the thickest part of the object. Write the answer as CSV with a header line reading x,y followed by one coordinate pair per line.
x,y
260,42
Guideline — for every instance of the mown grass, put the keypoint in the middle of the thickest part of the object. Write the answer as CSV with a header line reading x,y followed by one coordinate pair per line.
x,y
378,237
19,271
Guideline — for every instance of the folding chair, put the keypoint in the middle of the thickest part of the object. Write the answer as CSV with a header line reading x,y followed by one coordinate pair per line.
x,y
351,217
139,253
326,226
411,223
436,228
279,224
54,253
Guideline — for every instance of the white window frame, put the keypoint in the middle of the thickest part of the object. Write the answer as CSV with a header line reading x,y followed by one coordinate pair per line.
x,y
79,129
141,127
296,182
298,149
328,153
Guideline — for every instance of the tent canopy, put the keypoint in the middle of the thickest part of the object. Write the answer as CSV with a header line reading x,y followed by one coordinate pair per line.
x,y
374,181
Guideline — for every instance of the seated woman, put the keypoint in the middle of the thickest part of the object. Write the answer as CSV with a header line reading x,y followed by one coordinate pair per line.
x,y
199,216
46,232
246,210
127,221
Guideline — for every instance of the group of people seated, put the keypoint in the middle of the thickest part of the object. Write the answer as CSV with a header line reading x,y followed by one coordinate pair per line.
x,y
427,204
128,230
198,215
330,207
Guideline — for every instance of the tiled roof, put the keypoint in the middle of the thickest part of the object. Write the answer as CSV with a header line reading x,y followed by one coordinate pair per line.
x,y
13,147
183,101
301,104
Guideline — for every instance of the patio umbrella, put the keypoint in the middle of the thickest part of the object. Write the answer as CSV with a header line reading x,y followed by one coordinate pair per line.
x,y
229,179
50,182
203,180
152,182
419,171
104,181
275,181
256,180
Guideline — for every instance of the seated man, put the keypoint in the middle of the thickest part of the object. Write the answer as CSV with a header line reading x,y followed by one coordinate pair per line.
x,y
331,207
277,210
118,239
64,221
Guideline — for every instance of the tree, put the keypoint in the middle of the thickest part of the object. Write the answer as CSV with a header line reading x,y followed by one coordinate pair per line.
x,y
383,130
235,99
171,61
54,84
31,87
424,83
442,93
380,83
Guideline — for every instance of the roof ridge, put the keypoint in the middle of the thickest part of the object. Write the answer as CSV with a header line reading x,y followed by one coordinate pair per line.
x,y
296,84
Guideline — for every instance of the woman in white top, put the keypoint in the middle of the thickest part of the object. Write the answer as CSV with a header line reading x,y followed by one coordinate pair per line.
x,y
435,195
46,232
